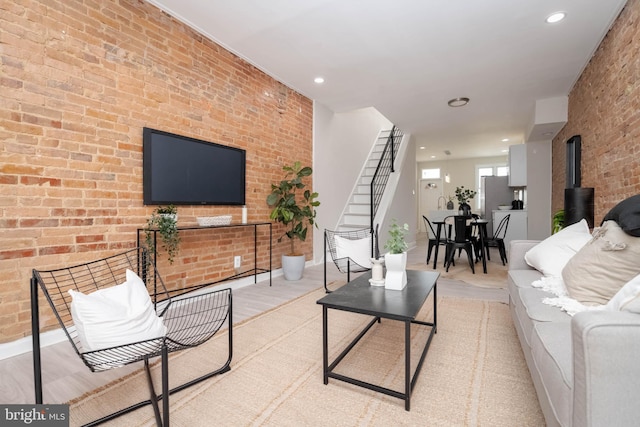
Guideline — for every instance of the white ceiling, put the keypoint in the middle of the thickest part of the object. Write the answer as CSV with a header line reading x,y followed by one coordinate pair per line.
x,y
407,58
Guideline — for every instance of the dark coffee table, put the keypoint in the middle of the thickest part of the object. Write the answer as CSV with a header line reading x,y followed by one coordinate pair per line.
x,y
358,296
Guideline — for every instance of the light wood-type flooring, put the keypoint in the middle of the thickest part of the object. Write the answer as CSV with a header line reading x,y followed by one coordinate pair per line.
x,y
65,376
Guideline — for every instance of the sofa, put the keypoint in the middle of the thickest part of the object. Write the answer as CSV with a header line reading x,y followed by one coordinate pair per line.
x,y
585,367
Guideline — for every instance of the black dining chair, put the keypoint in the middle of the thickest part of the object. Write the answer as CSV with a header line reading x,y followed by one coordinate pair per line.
x,y
460,240
433,237
497,241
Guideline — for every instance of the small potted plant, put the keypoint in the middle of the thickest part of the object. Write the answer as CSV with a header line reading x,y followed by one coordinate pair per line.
x,y
163,221
396,259
296,212
464,195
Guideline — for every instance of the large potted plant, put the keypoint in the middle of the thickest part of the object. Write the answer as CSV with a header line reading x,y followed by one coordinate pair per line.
x,y
396,259
164,221
464,195
293,206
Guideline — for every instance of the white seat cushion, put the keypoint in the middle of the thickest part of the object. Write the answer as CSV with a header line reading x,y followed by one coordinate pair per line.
x,y
114,316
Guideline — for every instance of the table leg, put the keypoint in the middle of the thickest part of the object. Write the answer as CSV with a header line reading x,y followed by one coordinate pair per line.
x,y
407,365
325,346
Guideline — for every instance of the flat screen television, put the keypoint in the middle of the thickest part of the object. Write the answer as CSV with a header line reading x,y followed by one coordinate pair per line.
x,y
186,171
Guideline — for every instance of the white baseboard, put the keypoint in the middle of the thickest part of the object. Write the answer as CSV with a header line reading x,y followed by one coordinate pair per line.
x,y
25,345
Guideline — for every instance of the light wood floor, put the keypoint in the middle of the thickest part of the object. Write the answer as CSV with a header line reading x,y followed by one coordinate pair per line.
x,y
65,376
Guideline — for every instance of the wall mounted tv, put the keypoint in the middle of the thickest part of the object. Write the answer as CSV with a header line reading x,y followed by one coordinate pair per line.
x,y
186,171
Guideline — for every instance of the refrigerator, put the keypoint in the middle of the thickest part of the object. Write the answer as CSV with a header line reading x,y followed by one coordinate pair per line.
x,y
495,192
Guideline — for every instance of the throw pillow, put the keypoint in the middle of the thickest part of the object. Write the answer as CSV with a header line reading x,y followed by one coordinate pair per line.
x,y
121,314
551,255
627,215
603,266
359,250
627,298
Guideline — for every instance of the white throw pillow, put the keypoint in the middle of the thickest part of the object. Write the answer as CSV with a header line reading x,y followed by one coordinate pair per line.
x,y
551,255
114,316
359,250
627,298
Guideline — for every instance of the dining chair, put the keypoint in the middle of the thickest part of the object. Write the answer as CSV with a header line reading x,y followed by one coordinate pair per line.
x,y
460,240
433,239
497,241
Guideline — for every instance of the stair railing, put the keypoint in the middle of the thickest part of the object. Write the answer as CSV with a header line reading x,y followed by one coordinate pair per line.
x,y
385,167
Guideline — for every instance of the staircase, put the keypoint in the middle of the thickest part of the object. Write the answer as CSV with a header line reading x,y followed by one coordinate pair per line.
x,y
357,213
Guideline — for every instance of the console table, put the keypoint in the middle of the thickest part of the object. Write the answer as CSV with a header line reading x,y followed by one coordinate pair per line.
x,y
251,272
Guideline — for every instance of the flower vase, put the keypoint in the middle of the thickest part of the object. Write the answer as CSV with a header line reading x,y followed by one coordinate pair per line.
x,y
450,205
464,209
396,278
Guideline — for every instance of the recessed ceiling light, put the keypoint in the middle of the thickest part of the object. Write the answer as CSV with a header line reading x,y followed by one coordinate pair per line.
x,y
458,102
505,139
433,157
505,151
319,80
555,17
422,148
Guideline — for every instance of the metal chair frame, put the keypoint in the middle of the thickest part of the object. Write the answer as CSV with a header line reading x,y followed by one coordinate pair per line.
x,y
346,264
462,240
497,241
190,320
433,241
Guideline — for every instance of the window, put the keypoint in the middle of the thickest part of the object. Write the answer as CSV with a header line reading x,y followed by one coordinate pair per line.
x,y
431,173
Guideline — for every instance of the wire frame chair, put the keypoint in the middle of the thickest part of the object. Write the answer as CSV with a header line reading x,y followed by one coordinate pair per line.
x,y
190,321
346,264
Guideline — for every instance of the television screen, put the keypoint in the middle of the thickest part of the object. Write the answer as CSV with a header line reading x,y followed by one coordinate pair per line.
x,y
186,171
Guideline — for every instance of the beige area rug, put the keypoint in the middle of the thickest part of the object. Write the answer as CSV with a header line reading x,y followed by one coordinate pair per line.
x,y
496,276
474,373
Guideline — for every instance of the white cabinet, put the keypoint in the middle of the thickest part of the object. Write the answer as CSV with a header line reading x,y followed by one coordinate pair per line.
x,y
517,228
517,165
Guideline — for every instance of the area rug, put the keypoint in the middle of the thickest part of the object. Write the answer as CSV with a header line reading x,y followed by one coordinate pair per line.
x,y
496,276
474,373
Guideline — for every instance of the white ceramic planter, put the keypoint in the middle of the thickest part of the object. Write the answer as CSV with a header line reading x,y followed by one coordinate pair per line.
x,y
396,278
293,266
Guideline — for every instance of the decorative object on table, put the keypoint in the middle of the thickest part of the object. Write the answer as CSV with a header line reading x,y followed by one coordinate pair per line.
x,y
464,195
377,272
211,221
396,259
450,203
164,221
504,207
557,221
293,212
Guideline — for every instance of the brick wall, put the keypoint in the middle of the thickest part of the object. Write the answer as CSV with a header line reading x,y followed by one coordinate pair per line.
x,y
604,108
79,81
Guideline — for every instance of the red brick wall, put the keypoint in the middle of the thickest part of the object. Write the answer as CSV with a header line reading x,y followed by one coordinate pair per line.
x,y
604,108
79,81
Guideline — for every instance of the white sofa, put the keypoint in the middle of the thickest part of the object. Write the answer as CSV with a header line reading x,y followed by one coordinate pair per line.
x,y
585,368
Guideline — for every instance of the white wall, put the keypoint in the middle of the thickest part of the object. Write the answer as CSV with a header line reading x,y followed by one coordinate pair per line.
x,y
538,190
461,171
341,144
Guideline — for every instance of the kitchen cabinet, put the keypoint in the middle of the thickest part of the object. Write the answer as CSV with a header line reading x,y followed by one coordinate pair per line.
x,y
517,165
517,228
